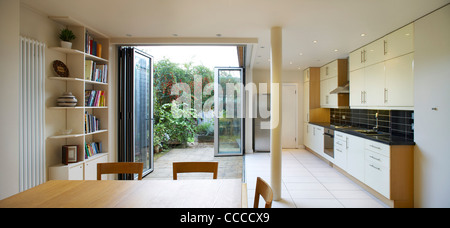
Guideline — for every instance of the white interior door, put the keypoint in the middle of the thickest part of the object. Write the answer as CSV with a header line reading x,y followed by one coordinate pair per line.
x,y
289,116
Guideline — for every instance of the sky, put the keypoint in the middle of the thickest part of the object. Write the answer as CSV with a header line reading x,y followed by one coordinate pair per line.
x,y
209,56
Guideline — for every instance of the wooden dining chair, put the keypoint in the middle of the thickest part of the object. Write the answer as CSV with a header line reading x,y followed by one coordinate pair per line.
x,y
263,189
120,168
194,167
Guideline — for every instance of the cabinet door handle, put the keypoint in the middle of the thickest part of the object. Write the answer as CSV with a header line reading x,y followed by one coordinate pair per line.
x,y
326,70
361,56
364,56
376,147
386,95
374,167
361,97
374,158
346,142
385,44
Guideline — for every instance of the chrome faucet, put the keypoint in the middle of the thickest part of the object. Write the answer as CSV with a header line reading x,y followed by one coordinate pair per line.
x,y
376,123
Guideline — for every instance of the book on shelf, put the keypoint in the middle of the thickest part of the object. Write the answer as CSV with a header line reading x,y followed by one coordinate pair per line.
x,y
92,46
92,149
94,98
94,71
91,123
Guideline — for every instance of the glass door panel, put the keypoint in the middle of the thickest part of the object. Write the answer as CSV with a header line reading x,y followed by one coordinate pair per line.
x,y
142,110
229,111
135,127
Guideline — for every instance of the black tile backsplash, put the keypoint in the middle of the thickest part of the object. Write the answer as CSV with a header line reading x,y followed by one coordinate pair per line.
x,y
396,122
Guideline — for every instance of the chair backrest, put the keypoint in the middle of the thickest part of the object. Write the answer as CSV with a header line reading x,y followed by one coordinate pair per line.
x,y
120,167
263,189
192,167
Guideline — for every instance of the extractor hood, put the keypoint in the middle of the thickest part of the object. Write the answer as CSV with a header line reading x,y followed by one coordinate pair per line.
x,y
341,89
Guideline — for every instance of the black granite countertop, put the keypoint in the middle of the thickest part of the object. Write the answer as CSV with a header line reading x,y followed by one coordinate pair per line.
x,y
383,138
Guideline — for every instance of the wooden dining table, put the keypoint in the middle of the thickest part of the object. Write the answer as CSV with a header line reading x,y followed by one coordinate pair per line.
x,y
202,193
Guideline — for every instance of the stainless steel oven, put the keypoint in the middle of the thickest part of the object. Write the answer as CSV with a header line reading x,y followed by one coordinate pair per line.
x,y
328,142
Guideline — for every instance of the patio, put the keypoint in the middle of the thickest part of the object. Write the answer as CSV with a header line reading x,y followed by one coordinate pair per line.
x,y
229,167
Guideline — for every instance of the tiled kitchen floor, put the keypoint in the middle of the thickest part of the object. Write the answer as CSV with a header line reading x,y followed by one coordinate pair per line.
x,y
307,182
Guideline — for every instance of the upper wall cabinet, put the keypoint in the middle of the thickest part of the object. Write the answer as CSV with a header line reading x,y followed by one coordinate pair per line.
x,y
399,43
393,45
382,72
332,76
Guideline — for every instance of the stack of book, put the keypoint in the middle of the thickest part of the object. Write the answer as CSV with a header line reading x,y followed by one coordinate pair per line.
x,y
94,98
91,123
91,46
92,149
94,71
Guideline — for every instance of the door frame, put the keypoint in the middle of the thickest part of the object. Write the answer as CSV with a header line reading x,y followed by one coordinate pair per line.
x,y
216,111
296,112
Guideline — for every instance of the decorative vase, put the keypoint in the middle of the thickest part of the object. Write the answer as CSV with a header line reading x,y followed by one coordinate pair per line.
x,y
65,44
67,100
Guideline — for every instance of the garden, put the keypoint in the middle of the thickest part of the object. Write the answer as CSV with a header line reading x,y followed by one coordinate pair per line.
x,y
177,125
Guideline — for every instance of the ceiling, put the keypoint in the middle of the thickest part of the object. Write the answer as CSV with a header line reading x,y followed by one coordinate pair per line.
x,y
336,25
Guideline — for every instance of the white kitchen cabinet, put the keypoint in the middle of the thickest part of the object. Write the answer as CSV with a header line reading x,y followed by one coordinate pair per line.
x,y
399,42
374,80
373,53
356,59
306,135
306,101
382,72
332,76
399,86
355,157
357,86
316,139
340,150
377,167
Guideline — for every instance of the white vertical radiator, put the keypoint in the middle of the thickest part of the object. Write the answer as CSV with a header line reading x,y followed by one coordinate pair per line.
x,y
32,114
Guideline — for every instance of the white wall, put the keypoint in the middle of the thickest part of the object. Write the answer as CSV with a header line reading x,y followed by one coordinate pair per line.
x,y
431,128
9,102
294,76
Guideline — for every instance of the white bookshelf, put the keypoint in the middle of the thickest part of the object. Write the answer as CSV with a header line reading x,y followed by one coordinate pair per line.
x,y
61,118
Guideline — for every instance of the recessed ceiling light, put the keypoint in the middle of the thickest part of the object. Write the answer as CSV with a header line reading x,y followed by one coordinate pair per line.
x,y
336,50
290,62
315,41
363,34
300,54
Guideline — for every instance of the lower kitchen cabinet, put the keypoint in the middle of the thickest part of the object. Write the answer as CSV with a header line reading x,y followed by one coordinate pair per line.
x,y
386,169
355,157
377,172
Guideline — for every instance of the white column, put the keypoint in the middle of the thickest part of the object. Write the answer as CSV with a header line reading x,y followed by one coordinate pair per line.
x,y
275,115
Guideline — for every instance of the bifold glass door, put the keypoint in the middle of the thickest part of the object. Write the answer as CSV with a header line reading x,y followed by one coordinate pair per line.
x,y
135,109
229,111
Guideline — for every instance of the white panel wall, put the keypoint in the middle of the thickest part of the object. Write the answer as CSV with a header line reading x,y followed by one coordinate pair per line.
x,y
9,93
431,127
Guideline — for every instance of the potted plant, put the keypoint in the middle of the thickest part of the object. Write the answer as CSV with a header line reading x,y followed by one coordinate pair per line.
x,y
66,36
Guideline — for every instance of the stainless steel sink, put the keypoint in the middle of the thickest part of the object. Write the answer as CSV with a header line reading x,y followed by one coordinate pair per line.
x,y
371,132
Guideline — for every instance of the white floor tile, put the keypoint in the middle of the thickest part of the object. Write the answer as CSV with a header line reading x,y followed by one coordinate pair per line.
x,y
307,182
